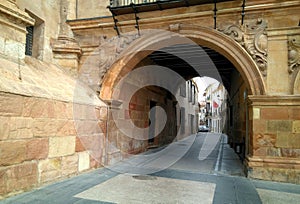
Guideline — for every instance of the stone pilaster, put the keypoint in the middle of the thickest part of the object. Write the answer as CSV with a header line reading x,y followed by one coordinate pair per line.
x,y
13,23
112,152
65,49
274,138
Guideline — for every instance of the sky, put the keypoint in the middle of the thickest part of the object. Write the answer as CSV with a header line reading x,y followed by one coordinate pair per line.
x,y
203,83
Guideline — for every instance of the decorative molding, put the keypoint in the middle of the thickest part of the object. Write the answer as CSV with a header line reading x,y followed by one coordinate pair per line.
x,y
294,54
286,100
253,37
109,51
20,19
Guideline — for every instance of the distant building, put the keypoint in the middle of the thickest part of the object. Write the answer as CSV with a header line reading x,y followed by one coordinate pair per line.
x,y
215,108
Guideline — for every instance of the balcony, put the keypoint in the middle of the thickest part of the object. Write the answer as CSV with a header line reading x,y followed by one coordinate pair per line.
x,y
119,7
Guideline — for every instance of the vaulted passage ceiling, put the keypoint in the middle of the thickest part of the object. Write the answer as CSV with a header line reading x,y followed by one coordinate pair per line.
x,y
192,60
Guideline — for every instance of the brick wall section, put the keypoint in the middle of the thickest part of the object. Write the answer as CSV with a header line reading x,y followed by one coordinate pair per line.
x,y
42,140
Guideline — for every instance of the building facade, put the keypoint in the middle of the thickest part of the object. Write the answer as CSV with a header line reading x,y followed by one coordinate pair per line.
x,y
58,105
216,108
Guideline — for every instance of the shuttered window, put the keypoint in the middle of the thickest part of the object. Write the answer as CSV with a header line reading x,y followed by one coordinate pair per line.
x,y
29,40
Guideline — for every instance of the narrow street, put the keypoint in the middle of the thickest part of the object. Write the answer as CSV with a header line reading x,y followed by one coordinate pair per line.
x,y
209,172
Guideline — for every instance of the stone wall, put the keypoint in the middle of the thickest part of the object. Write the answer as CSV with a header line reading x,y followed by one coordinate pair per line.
x,y
275,142
46,15
51,126
237,109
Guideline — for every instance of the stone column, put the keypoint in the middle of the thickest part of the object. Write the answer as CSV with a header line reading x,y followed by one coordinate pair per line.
x,y
65,49
13,23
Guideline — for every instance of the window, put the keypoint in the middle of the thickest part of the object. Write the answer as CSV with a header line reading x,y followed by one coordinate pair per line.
x,y
183,89
29,40
182,120
190,91
35,37
193,94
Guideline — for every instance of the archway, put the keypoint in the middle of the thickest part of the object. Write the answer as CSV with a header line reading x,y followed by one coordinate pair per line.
x,y
156,40
208,37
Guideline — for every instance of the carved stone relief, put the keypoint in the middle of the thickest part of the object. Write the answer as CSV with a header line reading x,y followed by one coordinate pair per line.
x,y
294,54
95,66
111,49
252,36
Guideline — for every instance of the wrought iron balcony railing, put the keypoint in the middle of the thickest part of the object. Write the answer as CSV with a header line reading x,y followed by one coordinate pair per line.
x,y
175,3
120,7
118,3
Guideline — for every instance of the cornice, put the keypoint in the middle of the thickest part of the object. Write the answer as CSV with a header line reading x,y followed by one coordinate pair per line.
x,y
265,100
107,22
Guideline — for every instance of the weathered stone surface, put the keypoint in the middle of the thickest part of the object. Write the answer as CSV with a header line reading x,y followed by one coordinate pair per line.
x,y
11,105
282,140
274,152
260,151
287,152
67,129
259,126
4,127
22,177
61,110
38,108
69,165
20,127
79,147
265,140
61,146
85,112
274,126
12,152
296,126
274,113
37,149
83,161
101,113
288,140
3,182
45,127
87,127
294,113
256,113
49,169
275,174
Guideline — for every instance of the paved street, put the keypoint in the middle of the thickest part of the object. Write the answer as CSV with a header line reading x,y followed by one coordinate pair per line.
x,y
209,172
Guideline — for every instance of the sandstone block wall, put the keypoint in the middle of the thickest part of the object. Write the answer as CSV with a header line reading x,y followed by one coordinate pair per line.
x,y
51,126
275,139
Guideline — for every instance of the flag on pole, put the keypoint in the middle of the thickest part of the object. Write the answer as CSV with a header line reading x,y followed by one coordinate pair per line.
x,y
215,104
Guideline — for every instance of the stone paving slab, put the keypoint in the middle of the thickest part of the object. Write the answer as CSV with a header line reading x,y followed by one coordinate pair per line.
x,y
125,189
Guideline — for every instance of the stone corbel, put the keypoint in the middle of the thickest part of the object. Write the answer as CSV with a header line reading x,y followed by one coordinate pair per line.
x,y
294,54
252,36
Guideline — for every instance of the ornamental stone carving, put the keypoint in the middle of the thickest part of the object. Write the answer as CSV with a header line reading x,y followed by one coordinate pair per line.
x,y
252,36
294,54
110,51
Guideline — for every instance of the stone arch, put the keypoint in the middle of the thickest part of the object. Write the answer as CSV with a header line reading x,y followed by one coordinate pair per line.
x,y
208,37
